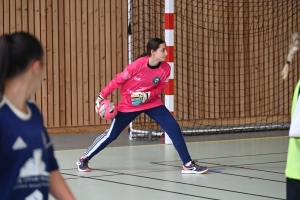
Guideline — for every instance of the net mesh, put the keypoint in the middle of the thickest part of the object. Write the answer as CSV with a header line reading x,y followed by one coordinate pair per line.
x,y
228,60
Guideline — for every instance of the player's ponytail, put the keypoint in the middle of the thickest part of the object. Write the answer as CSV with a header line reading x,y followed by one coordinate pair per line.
x,y
153,44
293,48
16,52
5,41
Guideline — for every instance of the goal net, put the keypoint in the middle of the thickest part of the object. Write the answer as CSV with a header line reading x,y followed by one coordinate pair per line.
x,y
228,60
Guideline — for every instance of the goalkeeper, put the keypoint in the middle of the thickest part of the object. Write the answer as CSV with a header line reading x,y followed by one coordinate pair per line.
x,y
141,82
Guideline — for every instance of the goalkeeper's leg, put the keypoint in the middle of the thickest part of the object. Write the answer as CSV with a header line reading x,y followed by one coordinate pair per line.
x,y
118,124
165,119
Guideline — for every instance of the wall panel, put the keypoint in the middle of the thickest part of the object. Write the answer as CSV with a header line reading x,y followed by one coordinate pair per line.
x,y
84,43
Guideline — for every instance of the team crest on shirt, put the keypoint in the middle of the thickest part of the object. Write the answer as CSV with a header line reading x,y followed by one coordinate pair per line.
x,y
155,80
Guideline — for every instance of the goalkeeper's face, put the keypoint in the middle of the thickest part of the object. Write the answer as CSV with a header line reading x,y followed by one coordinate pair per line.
x,y
161,53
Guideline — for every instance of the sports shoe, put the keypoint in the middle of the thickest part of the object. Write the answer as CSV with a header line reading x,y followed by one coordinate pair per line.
x,y
193,168
82,164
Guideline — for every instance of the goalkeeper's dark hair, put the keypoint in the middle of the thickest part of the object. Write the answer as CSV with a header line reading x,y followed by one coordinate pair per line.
x,y
293,48
153,44
17,50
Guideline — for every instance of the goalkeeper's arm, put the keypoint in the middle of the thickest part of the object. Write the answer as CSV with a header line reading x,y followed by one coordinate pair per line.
x,y
138,98
159,89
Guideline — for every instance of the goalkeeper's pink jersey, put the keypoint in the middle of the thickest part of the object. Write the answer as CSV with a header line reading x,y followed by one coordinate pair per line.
x,y
138,77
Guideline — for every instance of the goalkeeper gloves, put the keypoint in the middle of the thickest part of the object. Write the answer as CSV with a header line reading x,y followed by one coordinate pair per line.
x,y
97,102
138,98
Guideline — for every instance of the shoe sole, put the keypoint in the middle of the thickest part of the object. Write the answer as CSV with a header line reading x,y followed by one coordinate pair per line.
x,y
78,163
193,172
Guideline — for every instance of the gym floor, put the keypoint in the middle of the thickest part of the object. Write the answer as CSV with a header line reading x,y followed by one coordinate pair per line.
x,y
242,166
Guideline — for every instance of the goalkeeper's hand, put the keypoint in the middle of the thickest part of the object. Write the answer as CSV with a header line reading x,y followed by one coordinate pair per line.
x,y
138,98
97,102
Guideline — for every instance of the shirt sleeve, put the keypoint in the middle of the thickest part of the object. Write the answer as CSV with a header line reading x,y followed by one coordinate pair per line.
x,y
121,78
50,152
52,163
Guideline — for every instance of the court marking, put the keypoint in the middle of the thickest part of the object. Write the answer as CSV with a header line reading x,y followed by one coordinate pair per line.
x,y
210,141
246,155
139,186
170,181
177,182
239,166
211,170
233,166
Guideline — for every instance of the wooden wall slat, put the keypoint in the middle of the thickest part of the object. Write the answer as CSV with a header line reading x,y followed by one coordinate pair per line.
x,y
69,47
124,34
102,65
67,64
285,42
108,40
31,13
61,63
276,46
253,63
85,63
113,44
226,65
18,15
43,22
91,63
31,27
25,15
211,65
206,64
49,64
240,60
246,59
2,17
56,67
260,63
79,63
120,62
279,42
96,47
37,33
202,61
231,56
12,15
216,58
185,63
268,82
73,37
6,16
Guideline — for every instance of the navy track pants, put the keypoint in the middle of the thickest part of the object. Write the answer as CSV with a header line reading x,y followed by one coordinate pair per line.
x,y
159,114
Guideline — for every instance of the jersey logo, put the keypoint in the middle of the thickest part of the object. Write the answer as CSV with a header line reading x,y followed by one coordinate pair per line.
x,y
34,166
19,144
155,80
33,173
